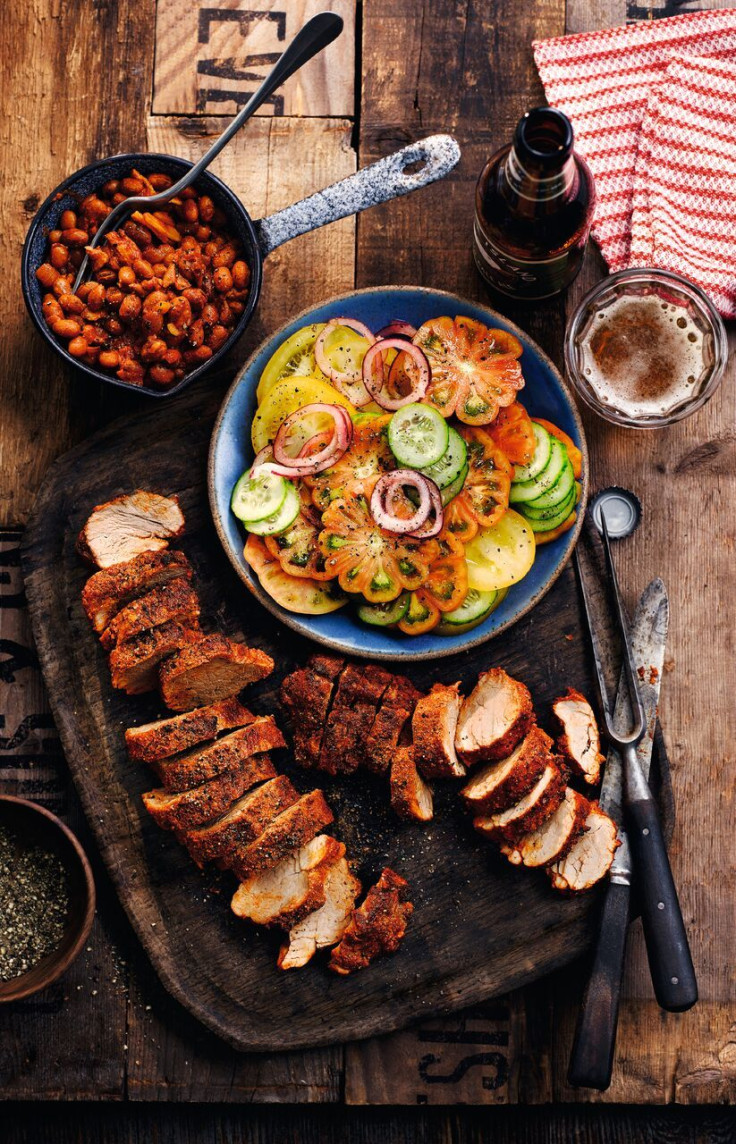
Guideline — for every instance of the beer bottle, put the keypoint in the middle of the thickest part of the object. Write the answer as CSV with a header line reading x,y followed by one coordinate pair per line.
x,y
534,205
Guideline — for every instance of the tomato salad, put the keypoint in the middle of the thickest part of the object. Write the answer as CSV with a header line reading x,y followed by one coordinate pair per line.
x,y
399,472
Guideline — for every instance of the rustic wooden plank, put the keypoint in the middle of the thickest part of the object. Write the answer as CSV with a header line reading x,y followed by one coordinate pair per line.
x,y
75,86
210,58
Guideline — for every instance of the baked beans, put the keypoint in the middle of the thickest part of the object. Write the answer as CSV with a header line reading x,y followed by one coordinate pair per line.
x,y
164,291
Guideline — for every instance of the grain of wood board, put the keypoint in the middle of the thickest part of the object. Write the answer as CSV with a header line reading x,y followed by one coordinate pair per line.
x,y
210,58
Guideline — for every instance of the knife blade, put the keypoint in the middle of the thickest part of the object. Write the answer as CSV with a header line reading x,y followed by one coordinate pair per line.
x,y
591,1061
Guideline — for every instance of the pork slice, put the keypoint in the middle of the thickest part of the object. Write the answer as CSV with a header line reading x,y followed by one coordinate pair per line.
x,y
433,727
328,666
242,822
376,927
346,721
554,838
529,812
187,809
284,895
325,926
493,719
393,715
173,601
501,784
125,527
579,740
190,769
288,832
590,858
134,664
112,588
213,668
411,797
154,741
307,696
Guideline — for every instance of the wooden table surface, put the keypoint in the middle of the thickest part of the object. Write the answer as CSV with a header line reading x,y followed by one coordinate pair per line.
x,y
84,79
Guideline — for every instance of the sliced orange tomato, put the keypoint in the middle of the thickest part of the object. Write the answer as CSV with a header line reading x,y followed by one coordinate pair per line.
x,y
368,559
488,482
447,582
460,519
306,596
475,371
357,471
576,457
297,550
422,615
545,537
512,431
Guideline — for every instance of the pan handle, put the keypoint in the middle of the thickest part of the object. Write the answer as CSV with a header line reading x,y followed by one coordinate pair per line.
x,y
382,181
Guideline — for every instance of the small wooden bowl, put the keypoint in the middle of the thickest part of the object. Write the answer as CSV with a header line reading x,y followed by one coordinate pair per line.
x,y
38,827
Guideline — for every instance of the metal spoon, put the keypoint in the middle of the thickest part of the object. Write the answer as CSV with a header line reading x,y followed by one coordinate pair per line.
x,y
320,31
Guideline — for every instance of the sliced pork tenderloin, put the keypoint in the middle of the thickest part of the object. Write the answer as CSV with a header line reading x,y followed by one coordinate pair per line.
x,y
190,769
411,797
153,741
187,809
494,718
174,601
530,812
590,858
376,927
286,833
242,822
307,696
554,838
112,588
502,784
433,728
392,717
579,740
325,926
359,691
213,668
134,664
284,895
125,527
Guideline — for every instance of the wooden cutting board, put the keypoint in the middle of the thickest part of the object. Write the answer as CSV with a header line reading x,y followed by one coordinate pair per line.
x,y
480,926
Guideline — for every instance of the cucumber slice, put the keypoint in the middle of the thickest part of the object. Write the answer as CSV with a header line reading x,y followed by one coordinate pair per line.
x,y
473,610
384,615
554,518
281,520
532,512
559,492
449,493
526,491
418,436
451,463
258,497
539,461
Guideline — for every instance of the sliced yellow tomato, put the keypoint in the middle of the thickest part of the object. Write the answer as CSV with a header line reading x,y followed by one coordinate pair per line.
x,y
422,615
367,559
357,471
487,485
307,597
293,358
576,457
475,371
287,396
502,555
513,433
447,582
345,349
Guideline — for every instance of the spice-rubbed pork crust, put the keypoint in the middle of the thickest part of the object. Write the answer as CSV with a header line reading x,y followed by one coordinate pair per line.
x,y
287,893
590,857
212,668
529,812
112,588
493,719
375,927
174,601
293,827
153,741
125,527
134,664
307,696
579,741
325,926
502,784
359,691
182,772
243,822
433,727
395,711
329,666
191,808
554,838
411,797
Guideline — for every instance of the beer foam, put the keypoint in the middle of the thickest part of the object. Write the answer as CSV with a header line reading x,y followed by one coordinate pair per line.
x,y
643,355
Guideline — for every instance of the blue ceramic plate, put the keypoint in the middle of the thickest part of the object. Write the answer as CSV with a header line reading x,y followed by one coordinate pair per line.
x,y
544,395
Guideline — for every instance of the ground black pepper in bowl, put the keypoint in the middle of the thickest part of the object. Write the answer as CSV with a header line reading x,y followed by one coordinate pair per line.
x,y
34,904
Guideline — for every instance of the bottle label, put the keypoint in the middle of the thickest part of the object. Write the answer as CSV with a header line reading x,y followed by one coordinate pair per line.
x,y
524,278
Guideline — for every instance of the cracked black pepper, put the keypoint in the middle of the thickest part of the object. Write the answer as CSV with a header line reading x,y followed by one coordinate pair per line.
x,y
34,902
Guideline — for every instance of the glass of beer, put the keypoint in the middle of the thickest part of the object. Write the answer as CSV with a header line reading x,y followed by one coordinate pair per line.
x,y
645,348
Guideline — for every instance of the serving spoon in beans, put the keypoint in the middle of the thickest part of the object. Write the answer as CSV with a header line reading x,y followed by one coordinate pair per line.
x,y
320,31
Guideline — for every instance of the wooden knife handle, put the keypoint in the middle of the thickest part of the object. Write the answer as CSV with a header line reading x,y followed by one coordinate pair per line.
x,y
670,962
591,1060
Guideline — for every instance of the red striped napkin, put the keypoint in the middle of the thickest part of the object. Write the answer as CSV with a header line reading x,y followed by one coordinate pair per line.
x,y
654,111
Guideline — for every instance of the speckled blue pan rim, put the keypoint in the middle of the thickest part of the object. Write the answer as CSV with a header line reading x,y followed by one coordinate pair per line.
x,y
400,651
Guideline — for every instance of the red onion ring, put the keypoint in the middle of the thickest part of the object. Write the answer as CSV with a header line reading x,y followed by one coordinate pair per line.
x,y
337,445
382,491
397,328
351,386
432,528
376,390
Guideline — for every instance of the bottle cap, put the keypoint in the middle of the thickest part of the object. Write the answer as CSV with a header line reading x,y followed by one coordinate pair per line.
x,y
622,510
